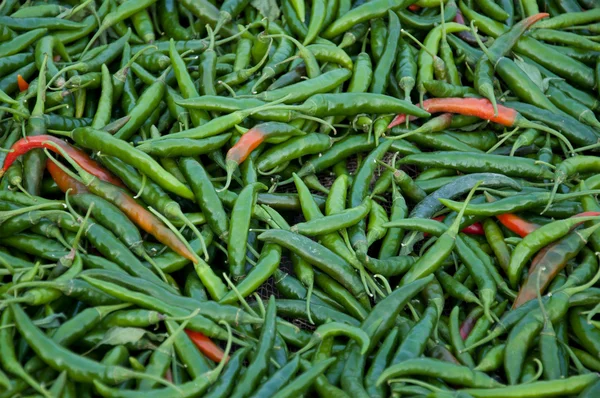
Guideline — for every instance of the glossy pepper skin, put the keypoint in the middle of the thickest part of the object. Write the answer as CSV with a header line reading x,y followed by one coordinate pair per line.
x,y
437,242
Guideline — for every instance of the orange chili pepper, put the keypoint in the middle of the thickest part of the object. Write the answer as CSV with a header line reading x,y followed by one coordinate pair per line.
x,y
206,346
23,85
480,107
63,180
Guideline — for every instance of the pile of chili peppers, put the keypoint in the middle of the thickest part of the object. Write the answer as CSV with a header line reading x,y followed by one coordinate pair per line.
x,y
280,198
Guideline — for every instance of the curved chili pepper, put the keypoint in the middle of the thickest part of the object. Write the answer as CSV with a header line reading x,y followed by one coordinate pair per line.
x,y
133,210
483,109
26,144
550,261
250,140
535,241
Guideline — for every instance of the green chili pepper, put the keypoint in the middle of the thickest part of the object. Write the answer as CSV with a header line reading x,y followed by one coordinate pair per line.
x,y
385,63
362,13
238,234
376,325
320,257
225,384
77,367
249,380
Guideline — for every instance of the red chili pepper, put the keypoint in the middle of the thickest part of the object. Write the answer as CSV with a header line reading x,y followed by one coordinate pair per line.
x,y
206,346
26,144
587,214
516,224
473,229
523,227
414,7
480,107
23,85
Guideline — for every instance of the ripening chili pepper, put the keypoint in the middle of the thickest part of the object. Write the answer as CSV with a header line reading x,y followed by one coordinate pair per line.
x,y
540,238
134,211
63,180
483,109
464,35
26,144
550,261
206,346
457,340
251,139
479,107
469,322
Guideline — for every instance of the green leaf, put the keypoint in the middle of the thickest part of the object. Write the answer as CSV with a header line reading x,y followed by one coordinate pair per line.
x,y
532,72
547,80
119,335
474,126
267,8
50,322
